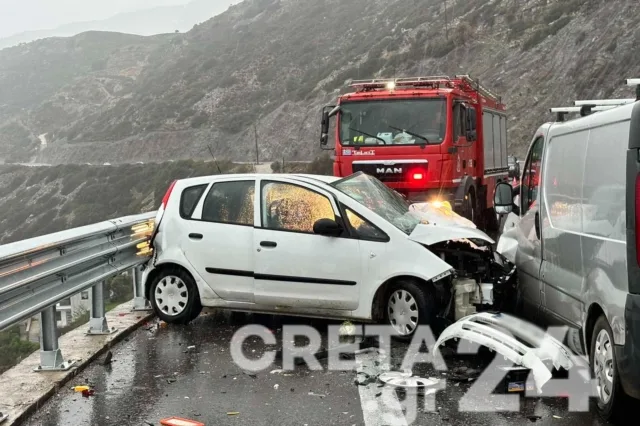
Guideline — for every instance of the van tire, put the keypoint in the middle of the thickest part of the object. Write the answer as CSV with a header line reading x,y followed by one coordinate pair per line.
x,y
422,299
618,399
180,281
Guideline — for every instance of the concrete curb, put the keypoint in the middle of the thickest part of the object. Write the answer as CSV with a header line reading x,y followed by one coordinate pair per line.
x,y
23,391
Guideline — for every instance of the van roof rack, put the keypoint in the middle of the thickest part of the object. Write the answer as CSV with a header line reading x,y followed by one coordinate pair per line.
x,y
605,102
588,107
634,82
584,110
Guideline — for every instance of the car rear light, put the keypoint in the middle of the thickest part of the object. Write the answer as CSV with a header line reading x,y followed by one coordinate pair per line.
x,y
161,209
417,176
637,219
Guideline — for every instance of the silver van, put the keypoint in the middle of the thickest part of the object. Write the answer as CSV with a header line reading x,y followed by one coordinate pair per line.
x,y
576,245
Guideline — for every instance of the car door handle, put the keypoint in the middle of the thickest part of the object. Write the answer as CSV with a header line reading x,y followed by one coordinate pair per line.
x,y
196,236
270,244
537,224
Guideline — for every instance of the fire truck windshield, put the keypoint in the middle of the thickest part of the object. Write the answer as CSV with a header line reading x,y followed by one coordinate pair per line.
x,y
393,122
385,202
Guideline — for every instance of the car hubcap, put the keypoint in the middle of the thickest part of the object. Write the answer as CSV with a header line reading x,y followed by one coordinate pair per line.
x,y
603,366
403,312
171,295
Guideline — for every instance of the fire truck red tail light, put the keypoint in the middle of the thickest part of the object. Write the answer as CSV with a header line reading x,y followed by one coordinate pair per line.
x,y
638,219
417,176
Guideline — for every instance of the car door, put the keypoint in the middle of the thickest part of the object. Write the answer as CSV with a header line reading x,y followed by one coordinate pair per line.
x,y
529,254
294,267
219,244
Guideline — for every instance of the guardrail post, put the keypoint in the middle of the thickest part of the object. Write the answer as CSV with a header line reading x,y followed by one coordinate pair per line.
x,y
50,354
140,303
98,321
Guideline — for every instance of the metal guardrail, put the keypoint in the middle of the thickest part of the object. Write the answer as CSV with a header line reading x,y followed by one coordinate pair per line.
x,y
37,273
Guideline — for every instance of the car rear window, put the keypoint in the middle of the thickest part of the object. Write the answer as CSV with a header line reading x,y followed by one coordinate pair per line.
x,y
189,200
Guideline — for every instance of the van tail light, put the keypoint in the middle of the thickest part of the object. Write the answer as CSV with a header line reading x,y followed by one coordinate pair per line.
x,y
637,214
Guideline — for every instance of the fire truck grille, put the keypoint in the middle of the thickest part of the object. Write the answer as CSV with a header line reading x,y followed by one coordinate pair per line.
x,y
383,173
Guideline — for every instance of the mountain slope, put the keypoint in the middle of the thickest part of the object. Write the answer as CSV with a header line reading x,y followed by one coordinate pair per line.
x,y
166,19
273,63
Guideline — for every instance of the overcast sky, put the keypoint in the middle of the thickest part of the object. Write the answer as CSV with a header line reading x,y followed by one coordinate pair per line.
x,y
25,15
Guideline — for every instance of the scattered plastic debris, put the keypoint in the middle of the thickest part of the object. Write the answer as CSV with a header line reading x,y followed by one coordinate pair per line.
x,y
232,413
192,347
177,421
276,386
464,374
278,371
321,395
88,393
556,417
81,388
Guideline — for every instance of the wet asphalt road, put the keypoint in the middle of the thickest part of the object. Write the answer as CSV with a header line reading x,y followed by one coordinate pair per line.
x,y
154,375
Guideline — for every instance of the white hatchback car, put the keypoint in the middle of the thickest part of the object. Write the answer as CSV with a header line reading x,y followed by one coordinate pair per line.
x,y
306,245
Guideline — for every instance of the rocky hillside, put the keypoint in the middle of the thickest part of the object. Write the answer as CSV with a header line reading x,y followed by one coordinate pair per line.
x,y
271,64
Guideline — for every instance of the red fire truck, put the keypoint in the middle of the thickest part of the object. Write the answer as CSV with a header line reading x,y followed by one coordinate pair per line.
x,y
422,137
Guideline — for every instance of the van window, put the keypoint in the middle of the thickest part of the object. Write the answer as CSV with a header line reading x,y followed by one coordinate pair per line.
x,y
230,202
531,177
562,181
604,181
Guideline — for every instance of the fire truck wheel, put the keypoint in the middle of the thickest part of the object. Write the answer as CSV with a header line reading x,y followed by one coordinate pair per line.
x,y
469,209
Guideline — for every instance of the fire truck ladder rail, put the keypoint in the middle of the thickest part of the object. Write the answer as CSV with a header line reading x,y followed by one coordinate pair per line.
x,y
475,84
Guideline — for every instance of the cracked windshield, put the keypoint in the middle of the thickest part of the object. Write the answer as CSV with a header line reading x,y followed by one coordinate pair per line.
x,y
319,212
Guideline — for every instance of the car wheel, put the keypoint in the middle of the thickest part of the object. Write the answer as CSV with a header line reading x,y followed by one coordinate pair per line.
x,y
408,305
175,297
610,396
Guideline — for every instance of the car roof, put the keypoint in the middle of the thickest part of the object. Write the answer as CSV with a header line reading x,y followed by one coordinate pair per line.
x,y
246,176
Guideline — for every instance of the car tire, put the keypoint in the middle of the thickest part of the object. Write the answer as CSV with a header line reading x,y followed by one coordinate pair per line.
x,y
609,408
404,299
174,296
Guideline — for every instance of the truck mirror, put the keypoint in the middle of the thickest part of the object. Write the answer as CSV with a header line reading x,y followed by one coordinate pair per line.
x,y
503,198
324,132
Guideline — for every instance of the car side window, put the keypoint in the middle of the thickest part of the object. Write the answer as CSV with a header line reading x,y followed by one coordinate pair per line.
x,y
230,202
189,199
531,177
363,228
288,207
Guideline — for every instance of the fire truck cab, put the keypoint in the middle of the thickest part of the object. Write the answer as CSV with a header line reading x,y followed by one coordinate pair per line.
x,y
437,139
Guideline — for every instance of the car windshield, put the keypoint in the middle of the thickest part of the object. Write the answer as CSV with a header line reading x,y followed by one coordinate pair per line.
x,y
374,195
393,122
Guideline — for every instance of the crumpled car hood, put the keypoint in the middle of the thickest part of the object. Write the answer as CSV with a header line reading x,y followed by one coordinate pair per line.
x,y
432,234
443,224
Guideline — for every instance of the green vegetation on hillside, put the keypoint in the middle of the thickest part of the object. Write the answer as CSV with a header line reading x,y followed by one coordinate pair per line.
x,y
13,348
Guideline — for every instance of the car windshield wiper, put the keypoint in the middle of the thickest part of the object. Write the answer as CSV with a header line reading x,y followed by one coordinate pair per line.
x,y
415,135
367,134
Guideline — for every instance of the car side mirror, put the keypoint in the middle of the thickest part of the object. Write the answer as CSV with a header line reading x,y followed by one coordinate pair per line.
x,y
503,198
328,228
